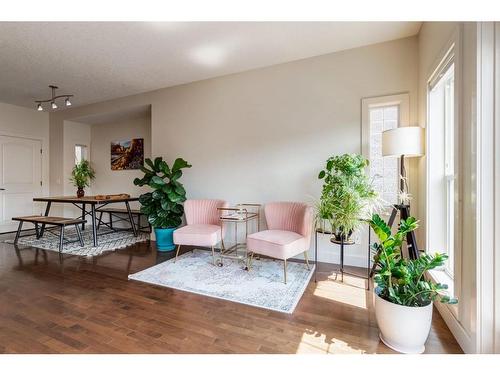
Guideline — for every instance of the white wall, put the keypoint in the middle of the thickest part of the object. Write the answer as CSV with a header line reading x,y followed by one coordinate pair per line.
x,y
114,182
28,123
264,135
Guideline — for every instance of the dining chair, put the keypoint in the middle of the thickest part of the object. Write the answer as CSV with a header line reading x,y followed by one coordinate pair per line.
x,y
289,232
202,225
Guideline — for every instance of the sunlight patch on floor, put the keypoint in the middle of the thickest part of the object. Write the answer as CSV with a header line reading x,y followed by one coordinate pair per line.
x,y
350,292
318,343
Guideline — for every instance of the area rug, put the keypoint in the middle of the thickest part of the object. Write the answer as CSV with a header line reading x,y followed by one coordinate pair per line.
x,y
108,241
262,286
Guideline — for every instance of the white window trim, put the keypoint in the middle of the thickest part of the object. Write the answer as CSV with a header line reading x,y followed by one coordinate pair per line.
x,y
488,189
449,56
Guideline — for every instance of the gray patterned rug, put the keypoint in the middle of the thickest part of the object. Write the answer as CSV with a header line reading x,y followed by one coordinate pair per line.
x,y
108,241
262,286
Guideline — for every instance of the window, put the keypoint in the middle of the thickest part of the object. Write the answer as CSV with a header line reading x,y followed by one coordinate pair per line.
x,y
383,171
441,139
80,153
380,114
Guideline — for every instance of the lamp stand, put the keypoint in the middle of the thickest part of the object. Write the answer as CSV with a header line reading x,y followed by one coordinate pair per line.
x,y
404,213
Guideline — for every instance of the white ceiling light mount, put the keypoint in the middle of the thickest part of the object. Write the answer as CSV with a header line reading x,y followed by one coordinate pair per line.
x,y
52,100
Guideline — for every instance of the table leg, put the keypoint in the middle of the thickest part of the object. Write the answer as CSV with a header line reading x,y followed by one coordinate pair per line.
x,y
131,219
47,210
83,216
94,226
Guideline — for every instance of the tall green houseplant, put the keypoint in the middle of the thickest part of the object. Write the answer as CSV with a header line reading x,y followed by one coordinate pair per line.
x,y
163,206
347,198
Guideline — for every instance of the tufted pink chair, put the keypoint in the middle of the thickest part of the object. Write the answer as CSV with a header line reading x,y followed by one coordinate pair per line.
x,y
202,224
288,234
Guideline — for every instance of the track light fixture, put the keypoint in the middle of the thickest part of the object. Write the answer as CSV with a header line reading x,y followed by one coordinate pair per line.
x,y
52,100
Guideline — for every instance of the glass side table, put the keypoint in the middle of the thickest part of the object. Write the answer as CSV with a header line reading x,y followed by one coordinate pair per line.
x,y
241,214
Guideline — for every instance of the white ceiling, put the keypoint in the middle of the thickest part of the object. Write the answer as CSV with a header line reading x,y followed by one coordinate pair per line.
x,y
97,61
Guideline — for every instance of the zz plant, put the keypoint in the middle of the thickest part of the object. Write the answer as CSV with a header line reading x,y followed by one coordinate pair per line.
x,y
163,206
402,281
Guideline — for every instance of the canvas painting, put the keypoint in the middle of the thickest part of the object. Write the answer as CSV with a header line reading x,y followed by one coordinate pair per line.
x,y
127,154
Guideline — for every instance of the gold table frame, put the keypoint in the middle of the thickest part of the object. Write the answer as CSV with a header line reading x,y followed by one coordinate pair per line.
x,y
242,213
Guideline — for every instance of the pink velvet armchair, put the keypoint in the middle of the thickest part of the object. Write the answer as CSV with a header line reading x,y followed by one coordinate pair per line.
x,y
288,234
202,225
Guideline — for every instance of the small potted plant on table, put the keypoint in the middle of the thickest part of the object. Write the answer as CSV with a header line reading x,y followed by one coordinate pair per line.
x,y
81,176
163,206
403,294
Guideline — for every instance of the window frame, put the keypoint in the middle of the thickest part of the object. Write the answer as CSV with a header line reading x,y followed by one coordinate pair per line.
x,y
87,151
450,55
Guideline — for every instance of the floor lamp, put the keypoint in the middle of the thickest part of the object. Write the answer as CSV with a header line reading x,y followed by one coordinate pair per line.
x,y
403,142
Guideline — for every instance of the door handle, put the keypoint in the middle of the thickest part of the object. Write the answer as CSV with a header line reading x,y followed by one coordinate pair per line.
x,y
2,189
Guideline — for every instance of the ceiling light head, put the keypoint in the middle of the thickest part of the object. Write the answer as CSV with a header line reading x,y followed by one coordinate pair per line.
x,y
53,99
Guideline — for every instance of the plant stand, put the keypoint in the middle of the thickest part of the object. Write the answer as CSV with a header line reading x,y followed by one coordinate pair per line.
x,y
341,269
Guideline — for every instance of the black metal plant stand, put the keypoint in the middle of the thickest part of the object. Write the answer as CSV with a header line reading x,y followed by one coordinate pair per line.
x,y
342,244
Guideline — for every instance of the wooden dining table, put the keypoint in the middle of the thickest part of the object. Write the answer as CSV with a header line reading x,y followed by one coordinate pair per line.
x,y
95,203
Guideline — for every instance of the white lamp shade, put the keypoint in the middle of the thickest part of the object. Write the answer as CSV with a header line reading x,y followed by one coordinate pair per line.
x,y
406,140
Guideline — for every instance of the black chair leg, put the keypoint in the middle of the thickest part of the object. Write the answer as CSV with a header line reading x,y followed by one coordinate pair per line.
x,y
77,227
37,231
61,242
18,234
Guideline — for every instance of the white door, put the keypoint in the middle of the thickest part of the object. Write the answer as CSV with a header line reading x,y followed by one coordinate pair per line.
x,y
20,178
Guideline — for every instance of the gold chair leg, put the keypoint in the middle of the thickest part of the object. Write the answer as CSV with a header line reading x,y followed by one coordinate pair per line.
x,y
213,255
284,269
307,261
250,261
177,253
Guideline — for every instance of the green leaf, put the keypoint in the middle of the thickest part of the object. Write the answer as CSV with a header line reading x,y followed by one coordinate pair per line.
x,y
321,175
150,163
180,163
381,229
158,181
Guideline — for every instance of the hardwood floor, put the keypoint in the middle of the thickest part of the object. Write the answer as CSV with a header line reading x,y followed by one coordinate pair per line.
x,y
89,306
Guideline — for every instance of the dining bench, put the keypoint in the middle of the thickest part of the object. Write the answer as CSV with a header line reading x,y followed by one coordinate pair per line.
x,y
115,212
60,222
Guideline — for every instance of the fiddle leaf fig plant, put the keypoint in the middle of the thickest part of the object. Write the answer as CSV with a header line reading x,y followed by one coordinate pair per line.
x,y
402,281
163,206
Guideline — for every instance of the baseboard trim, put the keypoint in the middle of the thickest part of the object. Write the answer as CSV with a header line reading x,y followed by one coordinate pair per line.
x,y
463,338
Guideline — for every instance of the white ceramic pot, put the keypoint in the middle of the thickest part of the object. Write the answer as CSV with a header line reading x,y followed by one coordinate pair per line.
x,y
402,328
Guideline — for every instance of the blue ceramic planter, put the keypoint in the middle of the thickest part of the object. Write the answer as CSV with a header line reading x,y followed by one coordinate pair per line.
x,y
165,239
